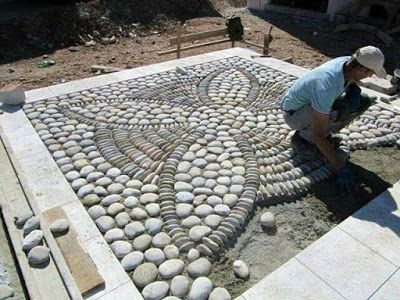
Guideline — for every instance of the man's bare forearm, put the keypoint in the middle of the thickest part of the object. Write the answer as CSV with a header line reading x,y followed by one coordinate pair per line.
x,y
329,152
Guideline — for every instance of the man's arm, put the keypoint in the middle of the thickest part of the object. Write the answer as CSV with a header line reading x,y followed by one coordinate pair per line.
x,y
320,124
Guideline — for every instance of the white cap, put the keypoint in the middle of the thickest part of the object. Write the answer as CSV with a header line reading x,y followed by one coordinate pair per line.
x,y
371,58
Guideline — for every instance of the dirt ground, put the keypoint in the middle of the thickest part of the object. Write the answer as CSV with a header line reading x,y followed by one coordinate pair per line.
x,y
309,42
304,220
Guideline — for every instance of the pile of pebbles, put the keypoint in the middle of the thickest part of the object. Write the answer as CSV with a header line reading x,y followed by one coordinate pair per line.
x,y
32,243
170,165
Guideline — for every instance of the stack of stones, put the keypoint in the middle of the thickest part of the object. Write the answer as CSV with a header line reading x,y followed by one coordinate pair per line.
x,y
32,242
170,165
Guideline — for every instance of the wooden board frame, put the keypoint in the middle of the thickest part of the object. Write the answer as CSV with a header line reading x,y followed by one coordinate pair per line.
x,y
81,266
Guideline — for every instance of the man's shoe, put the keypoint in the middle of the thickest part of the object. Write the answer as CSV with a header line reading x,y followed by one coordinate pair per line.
x,y
298,143
334,140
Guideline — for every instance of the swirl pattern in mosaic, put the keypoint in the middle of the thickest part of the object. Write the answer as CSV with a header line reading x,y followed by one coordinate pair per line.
x,y
170,166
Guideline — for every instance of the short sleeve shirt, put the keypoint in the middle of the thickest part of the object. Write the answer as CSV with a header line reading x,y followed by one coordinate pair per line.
x,y
318,88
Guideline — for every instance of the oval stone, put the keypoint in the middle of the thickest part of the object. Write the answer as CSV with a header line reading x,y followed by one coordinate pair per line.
x,y
171,268
144,274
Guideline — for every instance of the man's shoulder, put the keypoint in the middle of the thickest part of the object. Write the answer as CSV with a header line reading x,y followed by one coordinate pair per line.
x,y
328,73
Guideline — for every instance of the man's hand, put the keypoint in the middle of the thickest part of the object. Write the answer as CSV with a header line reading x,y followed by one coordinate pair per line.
x,y
345,180
320,125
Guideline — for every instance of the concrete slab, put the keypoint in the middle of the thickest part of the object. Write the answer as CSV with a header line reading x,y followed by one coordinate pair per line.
x,y
380,85
66,88
377,226
38,94
123,292
84,226
390,290
291,281
15,123
351,268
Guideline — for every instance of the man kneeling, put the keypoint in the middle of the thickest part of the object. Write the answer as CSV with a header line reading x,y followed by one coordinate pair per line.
x,y
325,100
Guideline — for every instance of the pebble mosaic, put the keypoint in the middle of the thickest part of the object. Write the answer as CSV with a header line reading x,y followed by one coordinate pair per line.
x,y
170,166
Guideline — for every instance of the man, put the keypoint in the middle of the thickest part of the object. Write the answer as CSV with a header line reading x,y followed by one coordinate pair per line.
x,y
325,100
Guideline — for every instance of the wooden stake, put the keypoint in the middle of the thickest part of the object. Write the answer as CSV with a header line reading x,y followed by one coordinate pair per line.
x,y
178,40
267,41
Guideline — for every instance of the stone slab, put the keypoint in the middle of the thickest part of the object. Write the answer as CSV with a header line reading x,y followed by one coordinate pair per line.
x,y
348,266
291,281
109,269
38,94
390,290
377,225
123,292
381,85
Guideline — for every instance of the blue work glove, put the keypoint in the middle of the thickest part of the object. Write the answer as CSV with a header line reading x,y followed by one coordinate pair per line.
x,y
353,94
345,180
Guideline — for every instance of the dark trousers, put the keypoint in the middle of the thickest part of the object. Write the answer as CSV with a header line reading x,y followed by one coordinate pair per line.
x,y
341,115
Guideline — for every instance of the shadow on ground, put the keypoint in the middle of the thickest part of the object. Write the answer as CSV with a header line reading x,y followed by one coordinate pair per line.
x,y
319,34
31,29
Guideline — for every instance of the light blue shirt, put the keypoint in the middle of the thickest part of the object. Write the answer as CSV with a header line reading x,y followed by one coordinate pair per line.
x,y
318,88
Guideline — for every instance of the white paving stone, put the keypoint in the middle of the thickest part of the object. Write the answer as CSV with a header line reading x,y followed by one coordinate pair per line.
x,y
348,266
291,281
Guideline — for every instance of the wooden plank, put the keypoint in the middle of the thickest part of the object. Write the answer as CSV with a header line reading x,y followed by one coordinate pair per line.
x,y
105,69
252,44
194,46
198,36
178,40
81,266
267,41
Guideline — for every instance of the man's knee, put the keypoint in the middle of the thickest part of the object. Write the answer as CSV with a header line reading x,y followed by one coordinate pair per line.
x,y
299,119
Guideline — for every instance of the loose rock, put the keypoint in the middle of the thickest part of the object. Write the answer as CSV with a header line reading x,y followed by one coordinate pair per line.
x,y
38,255
31,224
268,220
59,226
32,239
240,269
